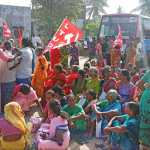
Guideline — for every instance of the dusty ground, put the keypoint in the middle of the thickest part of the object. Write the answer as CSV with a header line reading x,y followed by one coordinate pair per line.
x,y
89,146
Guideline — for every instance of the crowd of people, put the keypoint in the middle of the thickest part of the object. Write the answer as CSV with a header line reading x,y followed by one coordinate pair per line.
x,y
105,99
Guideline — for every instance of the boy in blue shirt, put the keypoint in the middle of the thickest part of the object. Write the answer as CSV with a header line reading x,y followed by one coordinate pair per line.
x,y
128,130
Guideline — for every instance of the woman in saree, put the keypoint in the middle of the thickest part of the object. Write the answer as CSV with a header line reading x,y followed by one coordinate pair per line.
x,y
57,77
13,128
115,56
131,54
107,83
40,73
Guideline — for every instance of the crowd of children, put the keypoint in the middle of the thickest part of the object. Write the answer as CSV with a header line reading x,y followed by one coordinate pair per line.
x,y
107,102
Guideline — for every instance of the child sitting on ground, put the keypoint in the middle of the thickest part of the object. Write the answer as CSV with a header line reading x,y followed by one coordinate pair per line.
x,y
128,130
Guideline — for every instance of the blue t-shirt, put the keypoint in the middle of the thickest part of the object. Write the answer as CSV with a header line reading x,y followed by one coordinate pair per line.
x,y
129,139
111,106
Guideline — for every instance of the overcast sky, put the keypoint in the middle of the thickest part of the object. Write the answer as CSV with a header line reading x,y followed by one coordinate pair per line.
x,y
127,5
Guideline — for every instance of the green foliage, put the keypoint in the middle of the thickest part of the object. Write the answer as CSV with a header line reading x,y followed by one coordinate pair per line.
x,y
50,13
96,7
92,26
144,7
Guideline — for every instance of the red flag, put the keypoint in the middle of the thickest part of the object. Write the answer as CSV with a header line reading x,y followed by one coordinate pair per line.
x,y
55,57
6,31
20,37
119,39
67,33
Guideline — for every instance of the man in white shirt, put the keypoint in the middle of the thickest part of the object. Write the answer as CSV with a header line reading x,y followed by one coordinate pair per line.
x,y
36,41
24,70
7,76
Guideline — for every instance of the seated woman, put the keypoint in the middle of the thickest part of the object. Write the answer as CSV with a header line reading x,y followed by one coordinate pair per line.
x,y
56,135
70,78
128,130
57,77
25,96
93,81
13,128
76,114
107,83
107,109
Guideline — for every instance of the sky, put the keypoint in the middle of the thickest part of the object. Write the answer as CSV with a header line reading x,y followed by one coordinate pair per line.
x,y
127,5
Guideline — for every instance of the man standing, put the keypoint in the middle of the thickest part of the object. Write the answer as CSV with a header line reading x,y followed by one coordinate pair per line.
x,y
74,53
24,70
7,75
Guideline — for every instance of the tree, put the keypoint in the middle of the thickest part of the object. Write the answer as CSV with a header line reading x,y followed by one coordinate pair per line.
x,y
144,7
95,7
50,13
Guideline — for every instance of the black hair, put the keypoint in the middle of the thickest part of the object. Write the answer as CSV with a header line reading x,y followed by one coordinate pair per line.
x,y
134,107
39,50
92,93
57,89
59,67
107,69
55,106
126,73
25,89
26,42
8,45
87,64
75,68
81,72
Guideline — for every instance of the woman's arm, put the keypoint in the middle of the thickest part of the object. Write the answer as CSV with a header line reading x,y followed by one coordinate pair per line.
x,y
77,117
140,84
121,129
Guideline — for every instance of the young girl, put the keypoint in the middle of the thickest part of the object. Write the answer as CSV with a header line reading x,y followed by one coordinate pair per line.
x,y
47,114
48,137
129,129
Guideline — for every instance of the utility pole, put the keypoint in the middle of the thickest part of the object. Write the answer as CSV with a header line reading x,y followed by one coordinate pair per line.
x,y
50,7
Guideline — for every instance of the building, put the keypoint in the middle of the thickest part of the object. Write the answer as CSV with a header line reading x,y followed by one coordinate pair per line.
x,y
17,17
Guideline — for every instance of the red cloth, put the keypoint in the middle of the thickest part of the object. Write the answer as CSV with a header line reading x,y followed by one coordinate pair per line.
x,y
119,40
69,80
55,78
66,34
6,31
16,90
109,84
71,77
115,75
20,37
55,57
135,78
